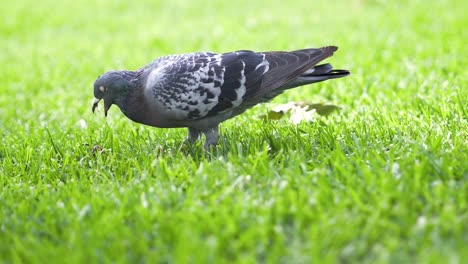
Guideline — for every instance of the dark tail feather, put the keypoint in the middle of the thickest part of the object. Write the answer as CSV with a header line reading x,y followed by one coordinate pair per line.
x,y
316,74
324,70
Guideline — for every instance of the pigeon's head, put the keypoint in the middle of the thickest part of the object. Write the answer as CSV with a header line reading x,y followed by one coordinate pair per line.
x,y
113,87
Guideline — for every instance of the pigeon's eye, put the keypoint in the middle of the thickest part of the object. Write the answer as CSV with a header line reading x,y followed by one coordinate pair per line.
x,y
102,89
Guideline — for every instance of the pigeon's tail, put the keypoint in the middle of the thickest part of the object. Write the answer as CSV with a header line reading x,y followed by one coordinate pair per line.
x,y
316,74
295,68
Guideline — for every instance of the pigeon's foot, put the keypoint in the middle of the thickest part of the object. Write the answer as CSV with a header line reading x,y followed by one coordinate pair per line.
x,y
193,135
212,137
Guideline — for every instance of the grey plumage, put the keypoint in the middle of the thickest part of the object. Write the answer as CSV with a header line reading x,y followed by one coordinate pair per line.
x,y
200,90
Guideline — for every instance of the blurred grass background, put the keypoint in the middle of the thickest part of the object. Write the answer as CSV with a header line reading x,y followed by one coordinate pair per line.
x,y
58,49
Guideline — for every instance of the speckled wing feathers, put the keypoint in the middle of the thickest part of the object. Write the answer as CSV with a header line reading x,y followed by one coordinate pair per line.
x,y
188,85
197,85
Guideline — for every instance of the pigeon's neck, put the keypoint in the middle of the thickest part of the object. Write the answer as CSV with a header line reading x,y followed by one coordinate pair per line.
x,y
130,86
132,103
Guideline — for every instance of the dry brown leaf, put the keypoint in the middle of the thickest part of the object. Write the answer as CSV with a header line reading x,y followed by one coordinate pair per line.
x,y
300,111
324,109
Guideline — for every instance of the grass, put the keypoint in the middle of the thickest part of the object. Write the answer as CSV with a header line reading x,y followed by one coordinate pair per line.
x,y
384,180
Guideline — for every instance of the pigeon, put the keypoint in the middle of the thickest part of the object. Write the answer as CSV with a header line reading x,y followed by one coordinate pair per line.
x,y
202,89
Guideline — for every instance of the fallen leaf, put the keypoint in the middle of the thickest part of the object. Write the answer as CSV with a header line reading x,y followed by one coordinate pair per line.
x,y
299,111
272,115
324,109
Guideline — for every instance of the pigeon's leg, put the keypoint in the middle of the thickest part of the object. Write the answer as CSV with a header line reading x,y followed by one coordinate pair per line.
x,y
212,136
193,135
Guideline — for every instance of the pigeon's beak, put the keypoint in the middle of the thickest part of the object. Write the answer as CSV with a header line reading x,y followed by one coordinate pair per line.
x,y
107,105
95,104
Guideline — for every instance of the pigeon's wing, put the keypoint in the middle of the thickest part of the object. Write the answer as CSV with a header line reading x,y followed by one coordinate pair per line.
x,y
197,85
243,71
283,67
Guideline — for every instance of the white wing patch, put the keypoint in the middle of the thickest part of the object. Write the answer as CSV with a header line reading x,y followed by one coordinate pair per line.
x,y
264,63
242,89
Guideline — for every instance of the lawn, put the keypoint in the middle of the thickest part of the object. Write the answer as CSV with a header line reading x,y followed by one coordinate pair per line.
x,y
382,180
